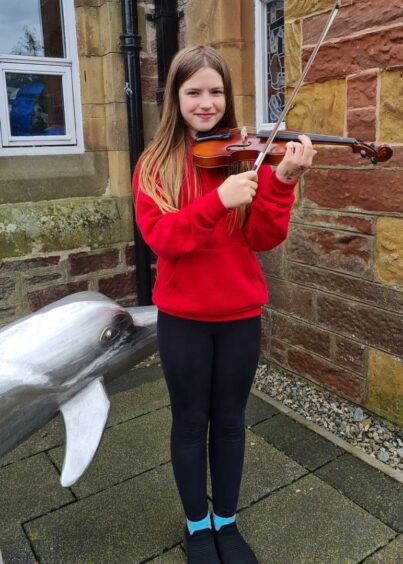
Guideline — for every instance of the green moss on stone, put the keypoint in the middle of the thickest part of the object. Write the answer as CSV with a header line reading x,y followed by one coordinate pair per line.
x,y
46,227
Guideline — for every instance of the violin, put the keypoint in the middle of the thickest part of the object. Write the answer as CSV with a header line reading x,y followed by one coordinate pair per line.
x,y
225,147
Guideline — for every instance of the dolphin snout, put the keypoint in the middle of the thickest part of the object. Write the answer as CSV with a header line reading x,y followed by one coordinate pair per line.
x,y
144,316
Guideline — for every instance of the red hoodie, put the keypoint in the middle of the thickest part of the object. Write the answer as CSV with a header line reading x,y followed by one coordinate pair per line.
x,y
205,270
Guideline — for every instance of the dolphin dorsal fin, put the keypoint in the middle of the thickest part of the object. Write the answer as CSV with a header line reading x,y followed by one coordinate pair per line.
x,y
85,416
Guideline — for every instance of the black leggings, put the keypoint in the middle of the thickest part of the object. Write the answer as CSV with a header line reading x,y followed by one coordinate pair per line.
x,y
209,369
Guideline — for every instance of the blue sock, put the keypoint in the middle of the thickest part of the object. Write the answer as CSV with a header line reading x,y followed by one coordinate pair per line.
x,y
194,526
221,521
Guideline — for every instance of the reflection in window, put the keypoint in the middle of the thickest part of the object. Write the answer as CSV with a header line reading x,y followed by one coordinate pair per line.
x,y
35,104
275,59
31,28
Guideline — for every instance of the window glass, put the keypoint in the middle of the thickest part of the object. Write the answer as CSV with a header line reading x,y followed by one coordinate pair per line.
x,y
31,28
35,104
275,59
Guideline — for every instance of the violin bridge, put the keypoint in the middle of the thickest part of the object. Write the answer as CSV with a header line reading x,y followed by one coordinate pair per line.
x,y
244,134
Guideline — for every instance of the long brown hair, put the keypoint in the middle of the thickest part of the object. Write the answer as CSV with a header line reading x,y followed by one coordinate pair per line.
x,y
163,163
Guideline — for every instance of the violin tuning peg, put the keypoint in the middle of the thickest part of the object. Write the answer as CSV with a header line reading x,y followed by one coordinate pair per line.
x,y
363,154
374,160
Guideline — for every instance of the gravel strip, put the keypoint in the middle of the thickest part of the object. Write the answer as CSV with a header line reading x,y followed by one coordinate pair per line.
x,y
375,436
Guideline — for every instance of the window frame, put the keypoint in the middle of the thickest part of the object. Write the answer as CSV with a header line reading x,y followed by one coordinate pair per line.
x,y
261,71
68,69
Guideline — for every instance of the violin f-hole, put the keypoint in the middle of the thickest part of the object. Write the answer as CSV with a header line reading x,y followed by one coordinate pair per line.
x,y
230,147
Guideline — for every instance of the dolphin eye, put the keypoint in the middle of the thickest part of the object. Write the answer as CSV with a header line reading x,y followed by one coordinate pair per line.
x,y
118,325
109,334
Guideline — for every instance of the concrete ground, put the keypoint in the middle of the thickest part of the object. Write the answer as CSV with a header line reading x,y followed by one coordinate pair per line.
x,y
303,499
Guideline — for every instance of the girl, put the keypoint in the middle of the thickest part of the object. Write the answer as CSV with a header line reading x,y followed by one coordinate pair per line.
x,y
204,226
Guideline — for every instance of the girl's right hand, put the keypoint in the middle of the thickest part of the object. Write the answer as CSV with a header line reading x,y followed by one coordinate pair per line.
x,y
238,189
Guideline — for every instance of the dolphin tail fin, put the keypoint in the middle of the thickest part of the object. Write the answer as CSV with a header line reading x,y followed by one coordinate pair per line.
x,y
85,417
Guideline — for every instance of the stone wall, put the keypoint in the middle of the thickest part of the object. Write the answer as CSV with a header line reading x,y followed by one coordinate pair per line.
x,y
66,221
28,284
336,299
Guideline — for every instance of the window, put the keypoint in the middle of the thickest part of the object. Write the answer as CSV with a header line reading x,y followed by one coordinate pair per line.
x,y
269,62
39,79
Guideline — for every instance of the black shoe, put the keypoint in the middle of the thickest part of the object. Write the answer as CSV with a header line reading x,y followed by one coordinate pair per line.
x,y
200,547
231,547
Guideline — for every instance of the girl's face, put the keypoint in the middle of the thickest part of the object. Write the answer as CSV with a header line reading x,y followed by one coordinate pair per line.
x,y
202,100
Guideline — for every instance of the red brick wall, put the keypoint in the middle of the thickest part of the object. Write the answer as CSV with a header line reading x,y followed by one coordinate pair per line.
x,y
28,284
328,306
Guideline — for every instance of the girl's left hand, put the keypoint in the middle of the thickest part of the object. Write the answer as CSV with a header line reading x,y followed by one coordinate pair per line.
x,y
298,157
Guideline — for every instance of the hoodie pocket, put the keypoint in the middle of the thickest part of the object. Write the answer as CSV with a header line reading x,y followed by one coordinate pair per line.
x,y
217,281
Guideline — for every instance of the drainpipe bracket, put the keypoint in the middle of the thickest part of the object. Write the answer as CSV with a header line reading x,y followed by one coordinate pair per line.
x,y
129,42
152,17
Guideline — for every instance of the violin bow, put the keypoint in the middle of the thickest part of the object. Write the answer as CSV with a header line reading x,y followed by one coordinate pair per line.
x,y
274,131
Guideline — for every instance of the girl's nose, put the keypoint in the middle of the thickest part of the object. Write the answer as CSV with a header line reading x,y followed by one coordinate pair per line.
x,y
205,101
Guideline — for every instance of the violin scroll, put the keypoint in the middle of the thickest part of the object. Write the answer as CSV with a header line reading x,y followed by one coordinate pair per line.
x,y
375,154
384,153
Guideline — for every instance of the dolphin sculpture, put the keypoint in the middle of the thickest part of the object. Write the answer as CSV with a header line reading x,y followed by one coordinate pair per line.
x,y
59,359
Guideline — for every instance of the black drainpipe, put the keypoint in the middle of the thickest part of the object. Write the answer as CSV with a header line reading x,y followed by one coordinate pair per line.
x,y
130,43
166,17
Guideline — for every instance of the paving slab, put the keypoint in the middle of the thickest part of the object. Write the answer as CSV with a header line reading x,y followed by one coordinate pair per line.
x,y
309,522
29,488
265,469
257,411
390,554
134,377
126,508
301,444
15,547
128,523
143,398
126,450
174,556
51,435
371,489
